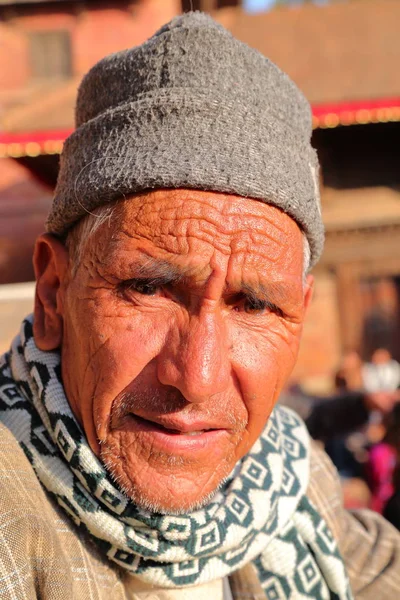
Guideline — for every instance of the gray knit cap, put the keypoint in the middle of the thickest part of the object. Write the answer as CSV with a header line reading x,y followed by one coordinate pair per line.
x,y
191,108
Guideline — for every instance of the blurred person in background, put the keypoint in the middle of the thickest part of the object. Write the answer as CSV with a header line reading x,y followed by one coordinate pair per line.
x,y
382,373
349,374
383,461
346,423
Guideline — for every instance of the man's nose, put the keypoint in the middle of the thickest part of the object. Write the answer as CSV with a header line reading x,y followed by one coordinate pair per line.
x,y
195,360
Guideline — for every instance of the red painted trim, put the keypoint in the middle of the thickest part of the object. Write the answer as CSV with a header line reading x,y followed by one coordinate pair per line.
x,y
34,136
361,112
34,143
320,110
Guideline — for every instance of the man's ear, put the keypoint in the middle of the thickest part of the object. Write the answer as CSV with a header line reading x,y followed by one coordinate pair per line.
x,y
308,291
50,262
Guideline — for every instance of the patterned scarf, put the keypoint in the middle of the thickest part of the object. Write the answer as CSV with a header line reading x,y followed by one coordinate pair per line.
x,y
262,515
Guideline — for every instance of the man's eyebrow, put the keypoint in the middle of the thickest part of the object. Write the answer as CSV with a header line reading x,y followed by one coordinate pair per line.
x,y
274,292
159,271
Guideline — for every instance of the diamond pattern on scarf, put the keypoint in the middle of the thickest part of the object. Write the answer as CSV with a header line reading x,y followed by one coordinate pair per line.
x,y
261,515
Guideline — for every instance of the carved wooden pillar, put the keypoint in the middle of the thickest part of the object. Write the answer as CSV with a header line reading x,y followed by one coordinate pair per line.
x,y
350,305
208,5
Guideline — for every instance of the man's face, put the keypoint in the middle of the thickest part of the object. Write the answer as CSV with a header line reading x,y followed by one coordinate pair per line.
x,y
180,327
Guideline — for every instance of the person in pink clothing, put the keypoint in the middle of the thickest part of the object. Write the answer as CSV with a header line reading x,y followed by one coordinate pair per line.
x,y
383,459
381,465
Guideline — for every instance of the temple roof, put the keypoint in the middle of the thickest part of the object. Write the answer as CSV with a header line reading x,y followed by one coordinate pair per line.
x,y
44,108
342,51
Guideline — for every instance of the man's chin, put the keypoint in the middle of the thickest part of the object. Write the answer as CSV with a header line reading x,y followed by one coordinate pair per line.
x,y
164,506
165,494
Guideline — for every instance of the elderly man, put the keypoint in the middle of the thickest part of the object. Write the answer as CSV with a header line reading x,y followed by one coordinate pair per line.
x,y
141,453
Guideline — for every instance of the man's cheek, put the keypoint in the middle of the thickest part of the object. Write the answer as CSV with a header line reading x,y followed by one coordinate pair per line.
x,y
125,352
284,342
276,359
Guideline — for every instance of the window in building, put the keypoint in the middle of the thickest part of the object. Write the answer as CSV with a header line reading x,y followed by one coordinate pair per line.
x,y
224,3
207,5
50,54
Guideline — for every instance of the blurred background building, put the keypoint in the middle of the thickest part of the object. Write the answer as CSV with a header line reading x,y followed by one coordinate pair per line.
x,y
344,55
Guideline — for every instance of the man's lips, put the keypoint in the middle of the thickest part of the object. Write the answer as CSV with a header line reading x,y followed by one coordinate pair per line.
x,y
179,425
173,435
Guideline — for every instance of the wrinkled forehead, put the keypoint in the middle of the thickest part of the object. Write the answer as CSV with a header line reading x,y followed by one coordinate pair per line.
x,y
178,213
190,228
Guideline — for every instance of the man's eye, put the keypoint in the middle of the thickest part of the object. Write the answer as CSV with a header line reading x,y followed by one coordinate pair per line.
x,y
253,305
142,287
256,306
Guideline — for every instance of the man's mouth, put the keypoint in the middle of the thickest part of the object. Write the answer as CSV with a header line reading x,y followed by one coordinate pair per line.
x,y
174,434
184,428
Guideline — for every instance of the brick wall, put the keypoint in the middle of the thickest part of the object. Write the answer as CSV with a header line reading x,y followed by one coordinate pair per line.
x,y
95,30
